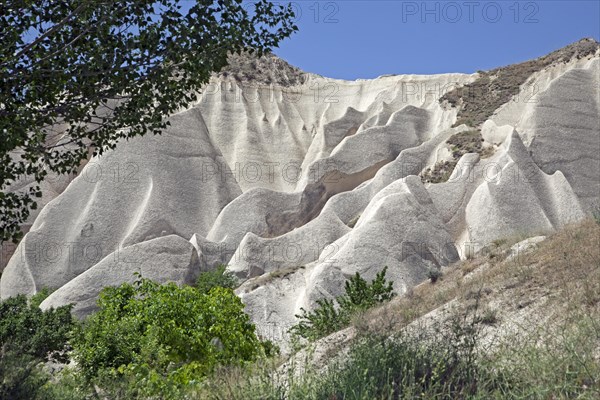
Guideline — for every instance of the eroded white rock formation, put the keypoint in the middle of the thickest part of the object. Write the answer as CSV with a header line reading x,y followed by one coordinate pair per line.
x,y
296,188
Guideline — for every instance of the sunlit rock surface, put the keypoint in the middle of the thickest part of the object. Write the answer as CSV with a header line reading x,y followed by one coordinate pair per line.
x,y
299,185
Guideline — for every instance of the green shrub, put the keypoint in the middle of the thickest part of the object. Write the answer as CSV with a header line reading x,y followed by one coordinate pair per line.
x,y
438,362
325,319
434,274
28,338
359,296
219,277
21,375
152,339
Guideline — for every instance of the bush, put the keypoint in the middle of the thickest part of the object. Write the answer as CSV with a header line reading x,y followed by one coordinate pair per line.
x,y
28,338
445,360
152,339
359,296
325,319
219,277
437,362
434,274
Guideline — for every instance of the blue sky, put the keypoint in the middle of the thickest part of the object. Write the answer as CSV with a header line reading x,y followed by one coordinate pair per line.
x,y
349,39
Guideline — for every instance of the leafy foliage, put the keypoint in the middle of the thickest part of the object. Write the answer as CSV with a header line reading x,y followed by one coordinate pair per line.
x,y
159,337
359,296
41,334
78,76
325,319
28,337
22,376
362,295
219,277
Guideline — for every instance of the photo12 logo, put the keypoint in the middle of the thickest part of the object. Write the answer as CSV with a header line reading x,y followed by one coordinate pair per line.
x,y
470,11
252,92
317,12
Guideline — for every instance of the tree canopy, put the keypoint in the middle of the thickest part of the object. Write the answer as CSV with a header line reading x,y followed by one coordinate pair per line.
x,y
164,336
76,76
28,338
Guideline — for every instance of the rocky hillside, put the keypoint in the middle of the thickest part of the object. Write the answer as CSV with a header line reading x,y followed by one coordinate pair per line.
x,y
297,181
518,288
521,319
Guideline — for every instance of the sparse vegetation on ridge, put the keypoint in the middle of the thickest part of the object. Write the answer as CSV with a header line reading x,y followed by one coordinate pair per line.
x,y
460,144
264,279
262,70
478,100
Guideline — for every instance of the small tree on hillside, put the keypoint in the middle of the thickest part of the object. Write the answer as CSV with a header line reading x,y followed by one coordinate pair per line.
x,y
359,295
159,337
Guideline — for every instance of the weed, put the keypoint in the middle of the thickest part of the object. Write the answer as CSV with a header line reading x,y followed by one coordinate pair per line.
x,y
434,275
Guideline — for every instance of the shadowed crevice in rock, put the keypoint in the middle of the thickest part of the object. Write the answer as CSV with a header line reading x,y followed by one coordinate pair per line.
x,y
314,198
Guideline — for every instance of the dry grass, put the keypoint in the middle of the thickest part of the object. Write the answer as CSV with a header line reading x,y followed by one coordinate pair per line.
x,y
543,361
460,144
479,99
563,272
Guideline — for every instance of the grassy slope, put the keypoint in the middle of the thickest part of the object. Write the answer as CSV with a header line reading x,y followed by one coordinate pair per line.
x,y
562,273
537,314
